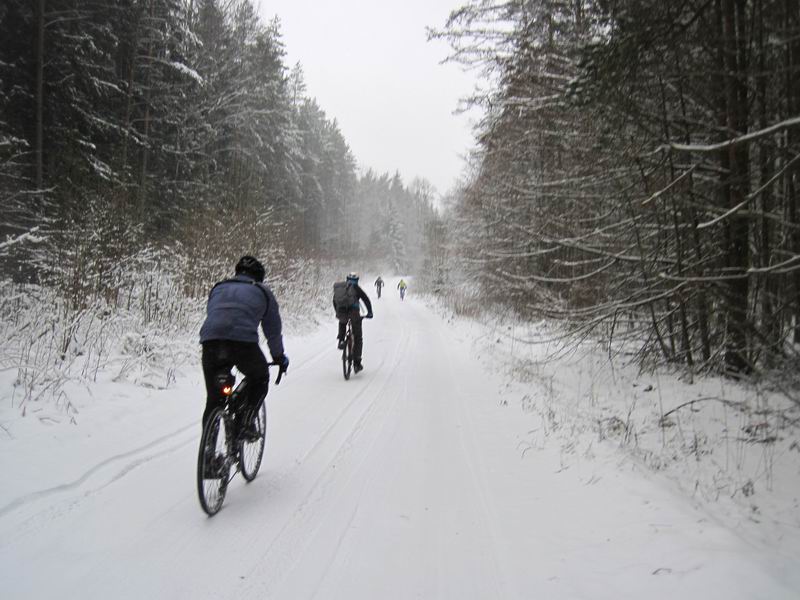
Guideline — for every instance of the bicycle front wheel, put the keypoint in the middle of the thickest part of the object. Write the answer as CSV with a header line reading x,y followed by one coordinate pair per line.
x,y
252,450
213,464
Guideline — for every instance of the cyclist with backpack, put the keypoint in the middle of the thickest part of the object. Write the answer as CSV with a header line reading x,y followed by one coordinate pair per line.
x,y
346,297
229,336
379,285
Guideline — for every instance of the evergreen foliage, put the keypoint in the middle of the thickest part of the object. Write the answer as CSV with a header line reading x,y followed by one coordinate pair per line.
x,y
637,171
173,125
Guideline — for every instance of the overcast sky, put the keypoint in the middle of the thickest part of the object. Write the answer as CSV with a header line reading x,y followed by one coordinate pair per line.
x,y
369,65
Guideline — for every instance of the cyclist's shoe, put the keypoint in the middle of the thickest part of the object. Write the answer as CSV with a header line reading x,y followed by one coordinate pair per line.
x,y
357,366
341,345
214,466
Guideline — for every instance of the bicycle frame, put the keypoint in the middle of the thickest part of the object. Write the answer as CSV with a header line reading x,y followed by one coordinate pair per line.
x,y
230,394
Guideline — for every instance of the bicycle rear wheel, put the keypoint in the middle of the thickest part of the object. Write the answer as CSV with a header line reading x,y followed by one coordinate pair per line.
x,y
213,463
347,356
251,451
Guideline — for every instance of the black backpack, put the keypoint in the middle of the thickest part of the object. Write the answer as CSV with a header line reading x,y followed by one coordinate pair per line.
x,y
344,296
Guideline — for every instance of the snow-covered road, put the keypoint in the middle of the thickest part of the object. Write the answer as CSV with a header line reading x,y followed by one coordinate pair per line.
x,y
412,480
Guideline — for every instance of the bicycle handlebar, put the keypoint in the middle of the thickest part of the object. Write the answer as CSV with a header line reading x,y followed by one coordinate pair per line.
x,y
280,371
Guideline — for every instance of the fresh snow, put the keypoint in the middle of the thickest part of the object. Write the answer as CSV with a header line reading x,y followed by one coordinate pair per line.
x,y
424,476
186,70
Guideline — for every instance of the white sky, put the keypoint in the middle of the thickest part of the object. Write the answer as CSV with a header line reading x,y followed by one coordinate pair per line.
x,y
369,65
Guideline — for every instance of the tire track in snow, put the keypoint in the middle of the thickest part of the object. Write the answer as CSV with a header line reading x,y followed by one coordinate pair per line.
x,y
276,479
367,480
340,415
287,548
250,520
108,462
127,466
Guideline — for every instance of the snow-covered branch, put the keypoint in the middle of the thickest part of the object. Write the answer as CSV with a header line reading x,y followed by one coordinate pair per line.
x,y
28,236
785,124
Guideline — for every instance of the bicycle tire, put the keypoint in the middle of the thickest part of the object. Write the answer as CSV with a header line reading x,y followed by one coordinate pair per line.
x,y
251,452
347,356
211,489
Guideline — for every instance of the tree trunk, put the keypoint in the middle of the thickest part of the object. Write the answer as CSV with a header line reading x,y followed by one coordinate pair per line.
x,y
736,162
146,132
695,243
770,327
40,96
792,92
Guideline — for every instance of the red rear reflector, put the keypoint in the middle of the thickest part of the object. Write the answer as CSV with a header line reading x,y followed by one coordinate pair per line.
x,y
227,390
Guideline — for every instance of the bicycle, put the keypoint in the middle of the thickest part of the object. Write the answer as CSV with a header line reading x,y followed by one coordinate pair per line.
x,y
223,446
347,352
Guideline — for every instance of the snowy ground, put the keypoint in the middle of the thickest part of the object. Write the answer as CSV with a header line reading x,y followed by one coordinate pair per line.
x,y
428,475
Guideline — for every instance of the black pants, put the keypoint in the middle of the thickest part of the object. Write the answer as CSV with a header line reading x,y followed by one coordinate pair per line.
x,y
219,356
355,319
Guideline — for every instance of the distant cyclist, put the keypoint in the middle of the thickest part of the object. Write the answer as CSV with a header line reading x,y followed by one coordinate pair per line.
x,y
236,307
402,287
346,297
379,285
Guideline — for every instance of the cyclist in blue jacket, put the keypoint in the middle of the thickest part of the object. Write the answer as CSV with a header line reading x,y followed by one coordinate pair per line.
x,y
229,336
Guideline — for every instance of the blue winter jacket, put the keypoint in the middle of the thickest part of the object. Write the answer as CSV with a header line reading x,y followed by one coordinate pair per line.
x,y
236,307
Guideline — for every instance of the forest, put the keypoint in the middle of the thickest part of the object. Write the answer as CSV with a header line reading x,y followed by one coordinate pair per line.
x,y
175,127
144,146
633,178
636,173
